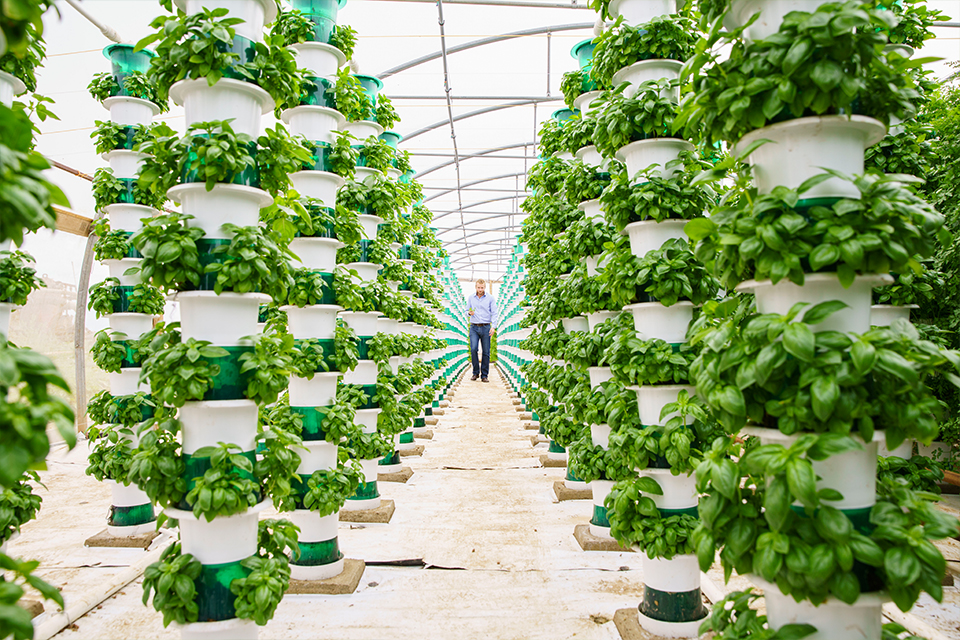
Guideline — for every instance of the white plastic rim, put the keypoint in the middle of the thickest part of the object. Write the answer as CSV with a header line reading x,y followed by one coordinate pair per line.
x,y
637,12
313,528
369,224
406,327
664,629
367,420
254,13
313,122
394,174
6,309
129,112
223,539
817,288
833,619
802,148
599,317
592,158
128,217
642,154
364,323
592,209
209,422
587,102
125,164
772,13
223,319
564,155
884,315
362,173
119,268
640,72
652,320
363,129
592,263
388,326
317,321
233,203
10,86
127,383
321,185
318,391
600,435
357,504
314,456
599,375
905,450
131,530
652,398
364,373
133,325
601,489
558,456
366,271
679,492
576,323
852,473
649,235
320,59
370,469
316,254
244,102
900,49
232,629
126,495
677,575
316,572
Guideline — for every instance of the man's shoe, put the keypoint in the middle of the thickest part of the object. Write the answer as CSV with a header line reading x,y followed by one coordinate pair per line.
x,y
484,380
474,377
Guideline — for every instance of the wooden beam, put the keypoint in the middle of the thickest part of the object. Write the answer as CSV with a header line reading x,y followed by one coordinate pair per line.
x,y
70,222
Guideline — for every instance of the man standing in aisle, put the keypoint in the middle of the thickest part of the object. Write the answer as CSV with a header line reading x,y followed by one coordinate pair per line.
x,y
482,310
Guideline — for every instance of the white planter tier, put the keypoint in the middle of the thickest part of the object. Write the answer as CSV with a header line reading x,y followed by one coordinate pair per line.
x,y
224,539
320,59
817,288
367,419
599,375
314,123
254,13
600,435
320,571
575,485
853,473
127,383
772,13
651,399
133,325
321,185
884,315
224,320
600,488
640,72
592,158
637,12
905,450
366,271
587,102
369,224
833,619
407,327
127,217
679,492
593,265
6,309
363,129
313,528
316,321
598,317
362,173
125,164
559,456
232,629
317,455
10,86
652,320
318,391
394,174
363,322
802,148
388,326
205,424
649,235
364,373
244,102
576,323
225,203
591,209
316,254
677,575
119,268
642,154
130,112
127,495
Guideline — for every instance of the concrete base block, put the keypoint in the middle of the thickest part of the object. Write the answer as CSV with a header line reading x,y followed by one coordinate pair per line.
x,y
527,416
32,607
545,461
564,493
444,403
416,451
590,542
628,624
380,515
531,426
516,401
431,420
438,412
345,583
519,408
423,434
400,476
105,539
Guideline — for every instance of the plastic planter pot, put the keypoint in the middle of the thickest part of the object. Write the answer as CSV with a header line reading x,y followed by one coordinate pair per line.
x,y
124,60
321,185
562,115
652,320
772,13
586,102
223,319
556,452
392,138
232,629
249,177
367,495
600,435
315,123
679,492
225,203
315,92
317,254
591,157
802,148
591,209
129,111
5,309
323,8
371,87
861,620
320,556
599,375
672,606
577,323
637,12
884,315
209,423
254,13
641,154
365,271
817,288
127,383
131,513
319,59
10,86
319,391
118,269
244,102
125,164
316,321
582,52
595,319
363,129
651,399
649,235
639,72
363,323
599,524
127,217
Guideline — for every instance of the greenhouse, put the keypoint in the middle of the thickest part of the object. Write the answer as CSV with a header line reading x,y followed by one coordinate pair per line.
x,y
257,255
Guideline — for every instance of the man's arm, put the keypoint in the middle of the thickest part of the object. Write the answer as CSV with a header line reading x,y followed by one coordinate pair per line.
x,y
493,313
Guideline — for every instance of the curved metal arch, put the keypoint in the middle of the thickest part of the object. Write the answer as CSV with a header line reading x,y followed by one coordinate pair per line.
x,y
497,230
472,222
444,214
470,184
483,42
516,145
478,112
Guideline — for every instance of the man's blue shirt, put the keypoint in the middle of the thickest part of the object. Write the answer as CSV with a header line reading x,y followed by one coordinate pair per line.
x,y
484,309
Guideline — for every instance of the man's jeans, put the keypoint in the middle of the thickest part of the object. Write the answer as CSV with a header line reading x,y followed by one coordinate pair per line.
x,y
480,334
